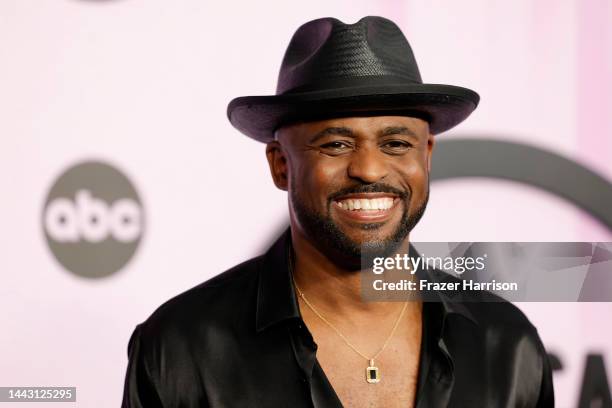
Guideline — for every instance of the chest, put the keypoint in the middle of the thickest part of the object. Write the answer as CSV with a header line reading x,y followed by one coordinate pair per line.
x,y
347,375
345,369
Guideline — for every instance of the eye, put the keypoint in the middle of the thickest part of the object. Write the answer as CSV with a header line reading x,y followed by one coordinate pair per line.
x,y
336,147
396,146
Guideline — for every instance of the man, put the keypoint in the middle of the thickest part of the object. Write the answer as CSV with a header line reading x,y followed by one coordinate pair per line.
x,y
349,136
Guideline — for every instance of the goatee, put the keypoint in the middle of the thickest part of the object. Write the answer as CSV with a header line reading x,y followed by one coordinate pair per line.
x,y
329,239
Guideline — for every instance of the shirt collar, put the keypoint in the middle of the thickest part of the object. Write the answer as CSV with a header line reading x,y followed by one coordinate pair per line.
x,y
276,298
451,304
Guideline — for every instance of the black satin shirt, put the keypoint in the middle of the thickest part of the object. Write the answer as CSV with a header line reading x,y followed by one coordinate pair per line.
x,y
238,340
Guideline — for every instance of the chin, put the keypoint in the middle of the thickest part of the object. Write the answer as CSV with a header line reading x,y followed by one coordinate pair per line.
x,y
369,233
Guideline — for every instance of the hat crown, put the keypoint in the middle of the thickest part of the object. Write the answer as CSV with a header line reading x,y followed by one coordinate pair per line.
x,y
327,53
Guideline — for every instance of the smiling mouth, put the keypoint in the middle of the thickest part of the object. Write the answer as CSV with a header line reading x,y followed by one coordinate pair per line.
x,y
365,204
370,206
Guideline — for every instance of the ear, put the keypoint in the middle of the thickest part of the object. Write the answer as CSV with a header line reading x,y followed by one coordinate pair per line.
x,y
431,141
277,161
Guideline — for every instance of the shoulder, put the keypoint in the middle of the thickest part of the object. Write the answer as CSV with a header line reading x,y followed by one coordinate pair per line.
x,y
484,307
502,342
504,327
490,310
217,302
493,316
503,330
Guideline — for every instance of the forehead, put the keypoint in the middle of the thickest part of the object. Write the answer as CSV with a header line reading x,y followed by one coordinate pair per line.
x,y
366,126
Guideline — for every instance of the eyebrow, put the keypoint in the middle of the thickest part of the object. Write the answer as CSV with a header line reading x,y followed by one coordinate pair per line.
x,y
338,130
344,131
397,130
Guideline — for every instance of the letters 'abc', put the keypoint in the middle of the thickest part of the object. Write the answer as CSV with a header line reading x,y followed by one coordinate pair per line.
x,y
91,219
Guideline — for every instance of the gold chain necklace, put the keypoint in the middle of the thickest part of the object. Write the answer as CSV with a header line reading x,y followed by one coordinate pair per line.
x,y
372,372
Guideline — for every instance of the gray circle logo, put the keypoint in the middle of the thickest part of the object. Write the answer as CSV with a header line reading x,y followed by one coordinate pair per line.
x,y
93,219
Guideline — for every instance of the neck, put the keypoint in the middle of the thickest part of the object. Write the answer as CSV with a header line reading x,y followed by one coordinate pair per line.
x,y
328,285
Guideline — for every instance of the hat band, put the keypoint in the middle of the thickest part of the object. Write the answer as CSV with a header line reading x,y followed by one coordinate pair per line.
x,y
351,82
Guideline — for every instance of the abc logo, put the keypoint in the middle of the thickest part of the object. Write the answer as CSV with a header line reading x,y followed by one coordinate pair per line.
x,y
93,219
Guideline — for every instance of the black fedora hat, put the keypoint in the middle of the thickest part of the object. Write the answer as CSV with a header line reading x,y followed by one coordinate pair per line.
x,y
333,69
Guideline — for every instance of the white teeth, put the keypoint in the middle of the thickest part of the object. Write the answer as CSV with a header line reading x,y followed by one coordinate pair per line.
x,y
366,204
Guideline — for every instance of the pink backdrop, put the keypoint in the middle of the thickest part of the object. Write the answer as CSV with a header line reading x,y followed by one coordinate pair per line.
x,y
144,85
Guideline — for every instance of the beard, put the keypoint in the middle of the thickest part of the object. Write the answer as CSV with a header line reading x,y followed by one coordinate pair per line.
x,y
324,234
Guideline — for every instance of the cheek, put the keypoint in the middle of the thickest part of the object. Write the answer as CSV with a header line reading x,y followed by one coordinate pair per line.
x,y
415,175
415,171
320,178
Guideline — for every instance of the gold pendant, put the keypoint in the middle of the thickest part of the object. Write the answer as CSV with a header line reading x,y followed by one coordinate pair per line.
x,y
372,374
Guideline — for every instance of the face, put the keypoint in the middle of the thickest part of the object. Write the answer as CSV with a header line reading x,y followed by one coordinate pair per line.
x,y
358,185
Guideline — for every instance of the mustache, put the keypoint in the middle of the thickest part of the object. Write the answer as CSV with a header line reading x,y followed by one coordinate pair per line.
x,y
370,188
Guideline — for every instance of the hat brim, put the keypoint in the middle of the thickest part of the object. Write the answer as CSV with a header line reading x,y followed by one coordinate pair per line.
x,y
443,106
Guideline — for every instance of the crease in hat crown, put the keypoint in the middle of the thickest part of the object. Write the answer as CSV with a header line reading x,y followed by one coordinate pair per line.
x,y
333,69
327,47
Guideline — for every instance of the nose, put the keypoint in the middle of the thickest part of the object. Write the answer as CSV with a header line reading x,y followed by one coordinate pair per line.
x,y
367,165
